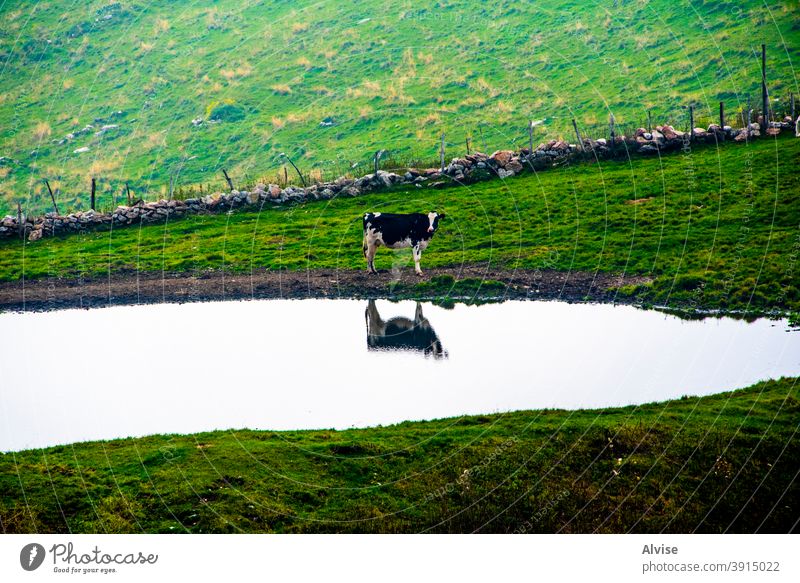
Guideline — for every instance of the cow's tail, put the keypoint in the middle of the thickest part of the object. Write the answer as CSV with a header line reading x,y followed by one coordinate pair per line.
x,y
364,241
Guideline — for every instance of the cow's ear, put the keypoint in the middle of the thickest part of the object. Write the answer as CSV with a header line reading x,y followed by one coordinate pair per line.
x,y
442,215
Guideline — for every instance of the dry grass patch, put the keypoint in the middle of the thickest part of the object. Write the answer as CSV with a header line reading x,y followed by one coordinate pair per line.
x,y
42,130
161,25
483,86
297,117
281,89
637,201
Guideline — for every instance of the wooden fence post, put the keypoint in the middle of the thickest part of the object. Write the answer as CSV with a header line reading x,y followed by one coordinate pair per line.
x,y
296,169
483,142
764,94
52,196
578,135
691,123
228,179
94,188
128,192
468,140
20,226
441,153
649,121
721,114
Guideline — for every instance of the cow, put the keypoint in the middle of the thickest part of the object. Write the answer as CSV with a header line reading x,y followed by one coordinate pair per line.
x,y
397,231
402,334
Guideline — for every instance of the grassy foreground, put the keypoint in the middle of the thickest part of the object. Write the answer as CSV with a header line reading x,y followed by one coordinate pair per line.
x,y
724,463
713,227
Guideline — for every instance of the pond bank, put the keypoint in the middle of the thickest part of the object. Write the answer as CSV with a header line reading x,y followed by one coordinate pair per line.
x,y
474,282
722,463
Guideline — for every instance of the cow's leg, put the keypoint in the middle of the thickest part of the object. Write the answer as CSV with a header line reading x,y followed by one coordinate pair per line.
x,y
417,252
370,246
418,317
375,326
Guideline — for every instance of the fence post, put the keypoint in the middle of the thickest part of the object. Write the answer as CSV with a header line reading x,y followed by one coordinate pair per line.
x,y
791,105
578,135
691,123
764,95
128,192
376,160
468,140
649,121
94,188
721,114
296,169
228,179
20,226
52,196
441,153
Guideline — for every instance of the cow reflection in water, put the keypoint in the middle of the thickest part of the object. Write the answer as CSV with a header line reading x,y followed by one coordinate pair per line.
x,y
402,333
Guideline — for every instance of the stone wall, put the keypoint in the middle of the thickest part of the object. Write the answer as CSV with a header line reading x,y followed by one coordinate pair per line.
x,y
469,169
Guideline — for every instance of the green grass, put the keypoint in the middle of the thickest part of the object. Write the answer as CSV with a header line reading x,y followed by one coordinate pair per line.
x,y
717,228
727,462
391,78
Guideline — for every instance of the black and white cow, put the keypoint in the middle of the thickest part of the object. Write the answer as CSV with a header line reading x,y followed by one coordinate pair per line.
x,y
397,231
402,333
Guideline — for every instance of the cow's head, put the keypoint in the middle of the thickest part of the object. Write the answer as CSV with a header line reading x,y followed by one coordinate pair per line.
x,y
433,221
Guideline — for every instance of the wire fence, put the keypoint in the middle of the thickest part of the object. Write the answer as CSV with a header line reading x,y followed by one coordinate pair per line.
x,y
482,137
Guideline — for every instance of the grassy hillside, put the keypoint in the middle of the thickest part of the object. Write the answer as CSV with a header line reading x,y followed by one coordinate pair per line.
x,y
714,464
714,228
330,83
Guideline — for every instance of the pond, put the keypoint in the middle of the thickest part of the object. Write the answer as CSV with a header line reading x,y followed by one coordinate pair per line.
x,y
78,375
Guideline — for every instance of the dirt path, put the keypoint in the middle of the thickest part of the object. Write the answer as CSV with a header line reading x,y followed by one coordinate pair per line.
x,y
155,287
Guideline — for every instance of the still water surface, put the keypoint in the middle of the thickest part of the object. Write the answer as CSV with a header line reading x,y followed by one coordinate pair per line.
x,y
78,375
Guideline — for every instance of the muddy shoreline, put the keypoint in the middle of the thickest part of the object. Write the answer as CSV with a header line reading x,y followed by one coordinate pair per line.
x,y
120,289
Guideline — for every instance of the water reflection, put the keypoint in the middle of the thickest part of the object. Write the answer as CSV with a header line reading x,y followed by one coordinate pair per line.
x,y
502,357
400,333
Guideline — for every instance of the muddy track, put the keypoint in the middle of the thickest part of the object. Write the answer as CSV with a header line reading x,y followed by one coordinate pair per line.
x,y
156,287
